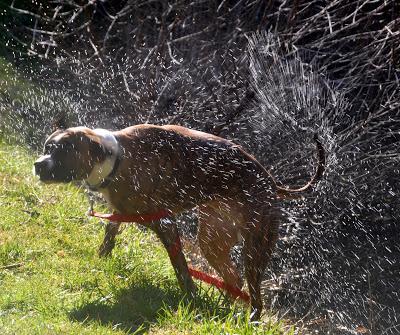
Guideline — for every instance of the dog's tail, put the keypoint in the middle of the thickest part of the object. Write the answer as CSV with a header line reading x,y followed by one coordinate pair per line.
x,y
289,193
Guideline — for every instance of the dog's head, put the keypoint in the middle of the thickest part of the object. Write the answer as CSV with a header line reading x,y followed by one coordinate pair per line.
x,y
70,154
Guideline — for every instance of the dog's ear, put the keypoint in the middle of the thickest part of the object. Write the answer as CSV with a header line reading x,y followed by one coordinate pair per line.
x,y
98,151
59,122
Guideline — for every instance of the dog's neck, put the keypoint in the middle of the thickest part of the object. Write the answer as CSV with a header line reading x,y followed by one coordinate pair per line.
x,y
101,172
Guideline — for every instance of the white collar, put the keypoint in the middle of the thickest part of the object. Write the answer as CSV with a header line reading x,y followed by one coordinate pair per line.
x,y
102,170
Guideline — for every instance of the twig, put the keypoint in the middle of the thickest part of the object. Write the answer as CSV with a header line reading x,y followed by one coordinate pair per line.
x,y
11,266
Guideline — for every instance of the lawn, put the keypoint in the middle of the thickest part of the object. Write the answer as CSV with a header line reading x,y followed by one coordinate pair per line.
x,y
52,281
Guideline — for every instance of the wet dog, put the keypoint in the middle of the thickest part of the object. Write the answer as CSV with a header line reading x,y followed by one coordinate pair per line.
x,y
146,168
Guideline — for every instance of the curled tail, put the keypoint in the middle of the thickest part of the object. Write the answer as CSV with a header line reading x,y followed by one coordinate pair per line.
x,y
284,192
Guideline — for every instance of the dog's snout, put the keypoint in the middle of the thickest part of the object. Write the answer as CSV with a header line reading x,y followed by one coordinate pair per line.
x,y
39,166
44,163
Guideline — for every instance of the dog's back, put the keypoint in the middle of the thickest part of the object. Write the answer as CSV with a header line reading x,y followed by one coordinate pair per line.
x,y
186,166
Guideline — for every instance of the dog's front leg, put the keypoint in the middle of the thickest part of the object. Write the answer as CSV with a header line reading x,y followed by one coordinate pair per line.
x,y
168,234
111,230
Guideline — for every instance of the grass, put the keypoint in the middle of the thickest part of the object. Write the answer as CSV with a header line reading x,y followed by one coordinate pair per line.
x,y
28,108
52,281
11,84
15,91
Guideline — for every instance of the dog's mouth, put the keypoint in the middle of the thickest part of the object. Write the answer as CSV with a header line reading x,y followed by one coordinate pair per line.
x,y
46,170
45,177
43,168
53,179
47,181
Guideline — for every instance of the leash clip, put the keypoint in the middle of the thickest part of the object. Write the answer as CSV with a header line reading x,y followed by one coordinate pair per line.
x,y
90,210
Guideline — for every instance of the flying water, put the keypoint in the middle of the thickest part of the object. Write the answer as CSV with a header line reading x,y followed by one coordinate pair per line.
x,y
338,251
337,258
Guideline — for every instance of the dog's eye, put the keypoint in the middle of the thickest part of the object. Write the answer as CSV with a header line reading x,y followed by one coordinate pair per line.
x,y
50,148
69,146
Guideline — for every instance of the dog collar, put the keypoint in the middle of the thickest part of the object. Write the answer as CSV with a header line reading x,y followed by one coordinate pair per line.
x,y
103,173
107,180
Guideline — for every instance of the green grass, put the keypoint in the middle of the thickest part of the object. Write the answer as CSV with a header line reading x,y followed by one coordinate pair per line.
x,y
15,91
11,84
52,281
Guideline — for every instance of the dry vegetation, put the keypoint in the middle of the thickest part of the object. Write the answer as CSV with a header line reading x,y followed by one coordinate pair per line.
x,y
330,67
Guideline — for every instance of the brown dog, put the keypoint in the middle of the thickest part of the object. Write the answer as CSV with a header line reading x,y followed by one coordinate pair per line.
x,y
145,168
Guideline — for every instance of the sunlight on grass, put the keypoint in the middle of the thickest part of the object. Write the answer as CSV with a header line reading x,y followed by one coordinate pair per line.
x,y
54,283
12,84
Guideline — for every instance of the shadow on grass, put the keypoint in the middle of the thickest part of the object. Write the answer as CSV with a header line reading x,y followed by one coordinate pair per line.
x,y
136,308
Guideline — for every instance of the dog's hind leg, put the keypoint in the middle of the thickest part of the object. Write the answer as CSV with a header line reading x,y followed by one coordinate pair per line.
x,y
260,240
167,232
111,230
217,235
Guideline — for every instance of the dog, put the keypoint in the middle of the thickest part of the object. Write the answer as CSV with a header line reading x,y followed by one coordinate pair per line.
x,y
147,168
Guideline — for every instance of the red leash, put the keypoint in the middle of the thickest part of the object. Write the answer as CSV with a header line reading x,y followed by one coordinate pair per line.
x,y
235,292
163,213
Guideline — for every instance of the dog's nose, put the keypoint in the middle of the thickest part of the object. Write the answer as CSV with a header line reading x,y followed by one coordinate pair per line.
x,y
44,163
39,166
